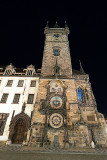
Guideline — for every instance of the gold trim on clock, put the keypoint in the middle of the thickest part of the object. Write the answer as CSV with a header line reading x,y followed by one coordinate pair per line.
x,y
56,102
56,120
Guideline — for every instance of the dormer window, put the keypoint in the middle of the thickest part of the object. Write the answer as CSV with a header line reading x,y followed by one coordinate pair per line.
x,y
30,70
8,72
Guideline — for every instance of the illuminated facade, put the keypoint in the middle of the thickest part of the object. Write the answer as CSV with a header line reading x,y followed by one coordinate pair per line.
x,y
55,104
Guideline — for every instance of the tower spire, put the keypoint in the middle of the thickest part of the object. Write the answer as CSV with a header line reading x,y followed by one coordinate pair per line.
x,y
66,26
56,25
47,25
81,68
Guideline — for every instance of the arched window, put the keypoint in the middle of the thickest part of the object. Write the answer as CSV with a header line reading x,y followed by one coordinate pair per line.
x,y
80,94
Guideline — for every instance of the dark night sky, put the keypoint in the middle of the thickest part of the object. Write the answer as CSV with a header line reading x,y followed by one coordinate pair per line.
x,y
22,25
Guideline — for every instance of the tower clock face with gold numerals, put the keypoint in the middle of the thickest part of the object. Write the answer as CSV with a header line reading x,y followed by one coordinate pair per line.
x,y
56,102
56,120
56,36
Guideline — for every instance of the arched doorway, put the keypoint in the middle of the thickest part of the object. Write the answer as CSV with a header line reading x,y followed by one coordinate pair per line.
x,y
18,128
19,132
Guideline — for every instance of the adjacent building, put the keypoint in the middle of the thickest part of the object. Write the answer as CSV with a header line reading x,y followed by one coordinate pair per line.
x,y
18,91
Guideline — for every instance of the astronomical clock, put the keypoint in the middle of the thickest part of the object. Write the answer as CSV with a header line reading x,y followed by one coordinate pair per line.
x,y
55,109
56,119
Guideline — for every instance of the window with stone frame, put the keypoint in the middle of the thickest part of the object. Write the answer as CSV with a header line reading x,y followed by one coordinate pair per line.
x,y
20,83
56,52
30,99
33,83
16,98
4,98
80,94
3,119
9,83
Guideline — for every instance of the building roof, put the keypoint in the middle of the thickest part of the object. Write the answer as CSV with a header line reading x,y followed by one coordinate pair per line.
x,y
76,72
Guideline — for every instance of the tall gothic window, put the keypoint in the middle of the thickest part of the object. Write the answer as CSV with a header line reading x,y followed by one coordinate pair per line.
x,y
3,118
80,94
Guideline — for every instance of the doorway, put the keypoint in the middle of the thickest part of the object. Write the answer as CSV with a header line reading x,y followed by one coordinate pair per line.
x,y
20,133
55,142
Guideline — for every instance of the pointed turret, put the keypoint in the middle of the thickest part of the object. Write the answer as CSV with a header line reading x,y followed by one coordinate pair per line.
x,y
66,26
81,68
47,25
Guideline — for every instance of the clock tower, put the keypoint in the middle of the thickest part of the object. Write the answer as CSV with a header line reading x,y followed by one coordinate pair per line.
x,y
56,56
50,117
65,112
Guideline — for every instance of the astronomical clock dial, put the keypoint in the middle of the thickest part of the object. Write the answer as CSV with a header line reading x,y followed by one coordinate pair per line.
x,y
56,102
56,120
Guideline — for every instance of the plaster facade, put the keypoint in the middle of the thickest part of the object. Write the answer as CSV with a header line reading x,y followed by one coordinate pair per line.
x,y
13,109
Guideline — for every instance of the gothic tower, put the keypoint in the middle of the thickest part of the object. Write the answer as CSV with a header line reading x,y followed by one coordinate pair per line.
x,y
56,56
65,112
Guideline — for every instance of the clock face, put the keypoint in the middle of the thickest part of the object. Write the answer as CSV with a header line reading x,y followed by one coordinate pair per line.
x,y
56,36
56,120
56,102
